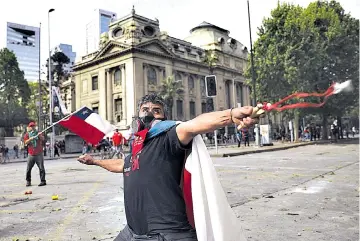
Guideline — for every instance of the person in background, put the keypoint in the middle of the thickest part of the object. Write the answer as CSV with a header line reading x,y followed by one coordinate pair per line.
x,y
16,151
34,141
56,149
239,137
353,130
117,141
245,134
6,154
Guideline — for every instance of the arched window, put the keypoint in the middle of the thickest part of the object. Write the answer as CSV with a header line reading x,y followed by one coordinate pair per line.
x,y
239,93
151,76
227,94
179,109
178,77
191,83
117,77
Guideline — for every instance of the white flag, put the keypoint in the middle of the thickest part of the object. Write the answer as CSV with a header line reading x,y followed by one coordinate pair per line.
x,y
205,198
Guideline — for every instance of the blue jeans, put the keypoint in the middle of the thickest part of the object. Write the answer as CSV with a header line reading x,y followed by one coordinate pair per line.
x,y
128,235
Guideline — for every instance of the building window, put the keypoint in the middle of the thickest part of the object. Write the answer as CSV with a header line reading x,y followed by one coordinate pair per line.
x,y
118,105
203,107
239,93
151,76
95,110
227,94
179,109
202,87
95,83
192,110
84,86
191,83
117,77
178,77
118,109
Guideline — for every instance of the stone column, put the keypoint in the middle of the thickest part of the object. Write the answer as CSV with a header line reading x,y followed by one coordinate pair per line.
x,y
245,95
186,106
123,93
198,95
109,96
78,86
102,93
146,86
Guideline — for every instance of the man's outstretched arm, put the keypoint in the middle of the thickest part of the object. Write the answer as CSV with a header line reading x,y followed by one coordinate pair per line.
x,y
209,122
112,165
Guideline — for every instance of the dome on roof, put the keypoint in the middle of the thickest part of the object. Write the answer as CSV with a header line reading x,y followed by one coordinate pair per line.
x,y
209,25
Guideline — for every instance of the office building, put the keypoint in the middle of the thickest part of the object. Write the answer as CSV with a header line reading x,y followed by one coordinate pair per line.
x,y
24,41
67,50
138,56
99,24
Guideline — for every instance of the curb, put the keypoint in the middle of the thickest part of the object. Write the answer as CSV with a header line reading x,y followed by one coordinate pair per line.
x,y
277,148
260,150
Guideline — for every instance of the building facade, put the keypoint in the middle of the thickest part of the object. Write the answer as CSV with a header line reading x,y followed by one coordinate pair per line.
x,y
24,41
67,50
99,24
137,56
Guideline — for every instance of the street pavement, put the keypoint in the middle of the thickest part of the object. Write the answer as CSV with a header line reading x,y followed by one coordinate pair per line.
x,y
222,151
304,193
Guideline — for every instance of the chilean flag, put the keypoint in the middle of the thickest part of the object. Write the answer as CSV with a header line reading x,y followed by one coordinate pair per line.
x,y
207,207
88,125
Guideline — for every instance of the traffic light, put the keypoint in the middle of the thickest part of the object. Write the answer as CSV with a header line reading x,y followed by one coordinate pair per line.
x,y
210,83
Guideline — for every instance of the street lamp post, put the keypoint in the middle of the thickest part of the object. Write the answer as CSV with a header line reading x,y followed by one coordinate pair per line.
x,y
50,90
257,131
40,94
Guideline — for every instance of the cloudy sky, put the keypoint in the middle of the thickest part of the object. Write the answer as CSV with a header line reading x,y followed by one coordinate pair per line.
x,y
176,17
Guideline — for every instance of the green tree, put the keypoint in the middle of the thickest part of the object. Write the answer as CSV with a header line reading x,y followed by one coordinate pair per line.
x,y
58,74
14,93
169,89
32,105
302,49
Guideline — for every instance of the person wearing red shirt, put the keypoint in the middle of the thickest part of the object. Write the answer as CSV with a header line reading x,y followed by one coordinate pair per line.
x,y
34,142
117,142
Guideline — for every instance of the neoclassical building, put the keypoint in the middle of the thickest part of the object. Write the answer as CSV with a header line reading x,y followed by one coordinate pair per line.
x,y
134,57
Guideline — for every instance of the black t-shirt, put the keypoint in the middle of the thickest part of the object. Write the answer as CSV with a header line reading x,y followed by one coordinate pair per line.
x,y
153,197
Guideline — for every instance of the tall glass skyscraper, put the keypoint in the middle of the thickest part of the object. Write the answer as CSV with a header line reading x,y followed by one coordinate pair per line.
x,y
24,41
67,50
99,24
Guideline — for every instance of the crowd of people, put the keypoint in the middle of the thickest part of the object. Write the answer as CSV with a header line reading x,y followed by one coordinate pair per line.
x,y
116,143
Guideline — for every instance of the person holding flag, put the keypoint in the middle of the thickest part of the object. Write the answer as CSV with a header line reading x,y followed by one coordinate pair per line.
x,y
156,206
34,141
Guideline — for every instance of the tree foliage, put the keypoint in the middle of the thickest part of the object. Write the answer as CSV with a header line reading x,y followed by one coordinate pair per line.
x,y
32,105
306,50
58,74
14,93
170,89
13,86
